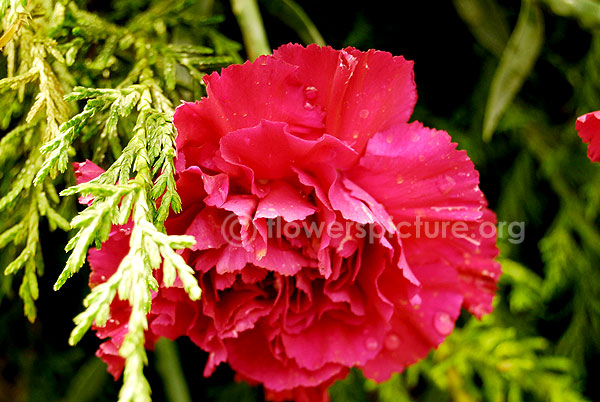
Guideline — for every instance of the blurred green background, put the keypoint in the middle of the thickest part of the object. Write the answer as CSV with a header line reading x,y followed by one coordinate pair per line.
x,y
506,79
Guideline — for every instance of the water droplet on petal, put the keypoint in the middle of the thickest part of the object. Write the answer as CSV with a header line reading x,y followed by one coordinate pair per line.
x,y
371,343
346,60
364,114
389,139
415,137
445,184
308,106
392,342
400,180
443,323
310,93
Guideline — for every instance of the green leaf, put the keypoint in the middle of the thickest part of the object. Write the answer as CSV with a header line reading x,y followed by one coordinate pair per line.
x,y
516,63
169,367
294,16
487,23
88,382
586,11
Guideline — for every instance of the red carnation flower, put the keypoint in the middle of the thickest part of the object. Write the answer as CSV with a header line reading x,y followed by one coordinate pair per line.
x,y
588,127
331,233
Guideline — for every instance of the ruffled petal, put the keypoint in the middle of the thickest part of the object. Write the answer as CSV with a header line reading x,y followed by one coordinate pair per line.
x,y
362,92
274,159
329,340
172,313
207,229
109,353
267,89
415,171
285,201
416,328
276,375
84,172
283,260
588,127
105,261
304,394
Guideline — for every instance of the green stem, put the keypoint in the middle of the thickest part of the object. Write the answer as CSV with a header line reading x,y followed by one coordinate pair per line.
x,y
169,368
206,8
253,31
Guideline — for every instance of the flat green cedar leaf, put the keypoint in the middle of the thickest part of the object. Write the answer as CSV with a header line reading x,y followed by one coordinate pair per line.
x,y
4,6
10,234
516,63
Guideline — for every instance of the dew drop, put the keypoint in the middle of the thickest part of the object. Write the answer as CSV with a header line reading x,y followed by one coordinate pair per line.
x,y
310,93
355,134
400,180
371,343
392,342
415,137
443,323
364,114
445,184
346,60
308,106
389,139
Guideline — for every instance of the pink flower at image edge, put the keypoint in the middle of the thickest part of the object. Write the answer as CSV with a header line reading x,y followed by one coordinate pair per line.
x,y
588,127
315,136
